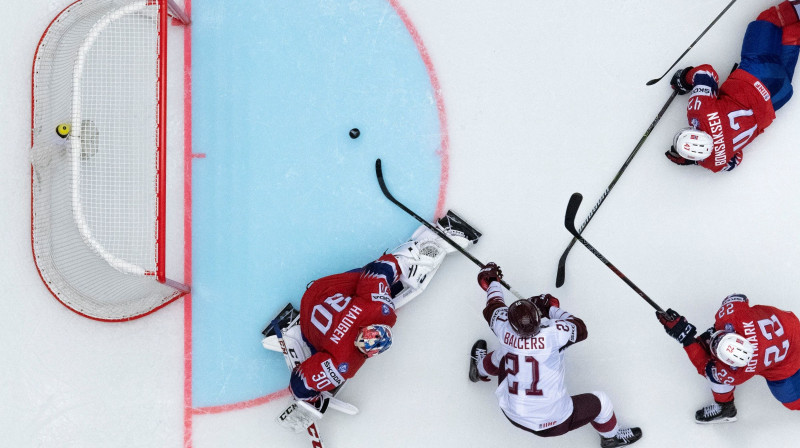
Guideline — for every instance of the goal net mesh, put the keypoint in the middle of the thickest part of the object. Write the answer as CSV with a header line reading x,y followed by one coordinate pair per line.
x,y
95,192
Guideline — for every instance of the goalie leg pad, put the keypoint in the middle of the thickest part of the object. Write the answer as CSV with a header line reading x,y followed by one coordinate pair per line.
x,y
290,342
418,261
295,348
297,418
300,416
421,256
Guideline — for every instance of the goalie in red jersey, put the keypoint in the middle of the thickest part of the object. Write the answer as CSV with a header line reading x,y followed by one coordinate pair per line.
x,y
725,118
347,318
745,341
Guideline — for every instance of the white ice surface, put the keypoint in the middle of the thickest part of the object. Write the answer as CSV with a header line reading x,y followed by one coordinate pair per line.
x,y
543,98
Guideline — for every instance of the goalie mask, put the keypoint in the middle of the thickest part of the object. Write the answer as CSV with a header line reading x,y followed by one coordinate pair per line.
x,y
693,144
374,339
524,318
731,348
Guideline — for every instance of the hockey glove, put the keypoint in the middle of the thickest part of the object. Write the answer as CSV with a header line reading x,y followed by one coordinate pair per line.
x,y
679,82
674,157
704,339
300,391
544,302
677,326
490,273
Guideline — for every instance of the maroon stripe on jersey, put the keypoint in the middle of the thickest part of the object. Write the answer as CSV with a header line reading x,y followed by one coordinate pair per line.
x,y
585,407
490,368
583,332
491,306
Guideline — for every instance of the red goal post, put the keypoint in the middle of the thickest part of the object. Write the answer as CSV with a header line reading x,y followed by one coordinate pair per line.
x,y
98,157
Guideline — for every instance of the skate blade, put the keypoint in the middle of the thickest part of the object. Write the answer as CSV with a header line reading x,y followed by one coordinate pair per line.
x,y
713,422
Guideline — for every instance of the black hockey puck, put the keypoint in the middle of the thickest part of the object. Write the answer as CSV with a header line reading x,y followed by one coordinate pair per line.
x,y
354,133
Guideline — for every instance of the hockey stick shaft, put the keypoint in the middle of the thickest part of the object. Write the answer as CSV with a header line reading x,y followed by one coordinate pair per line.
x,y
569,223
653,81
561,272
385,190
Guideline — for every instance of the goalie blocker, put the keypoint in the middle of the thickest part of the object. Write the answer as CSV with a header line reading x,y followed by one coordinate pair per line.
x,y
346,318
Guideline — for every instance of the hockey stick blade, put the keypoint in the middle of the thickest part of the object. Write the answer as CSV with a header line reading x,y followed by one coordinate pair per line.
x,y
561,271
385,190
569,223
572,209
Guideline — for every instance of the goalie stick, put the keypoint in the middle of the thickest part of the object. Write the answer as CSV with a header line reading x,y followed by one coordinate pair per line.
x,y
569,223
653,81
385,190
562,262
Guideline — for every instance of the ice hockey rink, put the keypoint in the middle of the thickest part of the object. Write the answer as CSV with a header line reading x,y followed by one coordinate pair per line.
x,y
497,110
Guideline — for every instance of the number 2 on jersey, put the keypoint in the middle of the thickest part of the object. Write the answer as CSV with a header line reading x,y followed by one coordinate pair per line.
x,y
772,328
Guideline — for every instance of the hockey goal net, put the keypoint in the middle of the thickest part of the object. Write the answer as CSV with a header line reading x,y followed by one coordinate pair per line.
x,y
98,158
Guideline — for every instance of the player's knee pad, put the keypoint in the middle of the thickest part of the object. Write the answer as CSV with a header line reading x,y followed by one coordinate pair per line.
x,y
606,407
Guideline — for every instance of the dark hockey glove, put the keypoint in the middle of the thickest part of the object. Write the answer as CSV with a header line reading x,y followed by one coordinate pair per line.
x,y
679,82
704,339
491,273
674,157
677,326
300,391
544,302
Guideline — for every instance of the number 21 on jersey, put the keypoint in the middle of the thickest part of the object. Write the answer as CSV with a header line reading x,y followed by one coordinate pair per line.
x,y
512,369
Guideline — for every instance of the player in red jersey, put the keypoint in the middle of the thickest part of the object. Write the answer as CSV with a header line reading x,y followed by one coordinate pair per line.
x,y
346,318
745,341
725,118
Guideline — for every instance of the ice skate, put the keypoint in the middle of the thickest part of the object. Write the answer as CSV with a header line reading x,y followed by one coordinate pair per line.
x,y
624,437
716,413
476,356
458,230
284,318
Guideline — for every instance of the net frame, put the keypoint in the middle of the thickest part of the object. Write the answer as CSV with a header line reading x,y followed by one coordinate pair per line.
x,y
85,255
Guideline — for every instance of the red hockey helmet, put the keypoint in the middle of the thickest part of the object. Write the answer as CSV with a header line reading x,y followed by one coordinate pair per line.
x,y
524,318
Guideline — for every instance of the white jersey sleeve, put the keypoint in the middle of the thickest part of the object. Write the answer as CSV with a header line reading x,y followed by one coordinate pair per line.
x,y
566,331
499,314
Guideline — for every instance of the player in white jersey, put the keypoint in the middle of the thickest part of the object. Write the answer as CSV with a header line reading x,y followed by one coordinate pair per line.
x,y
529,364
